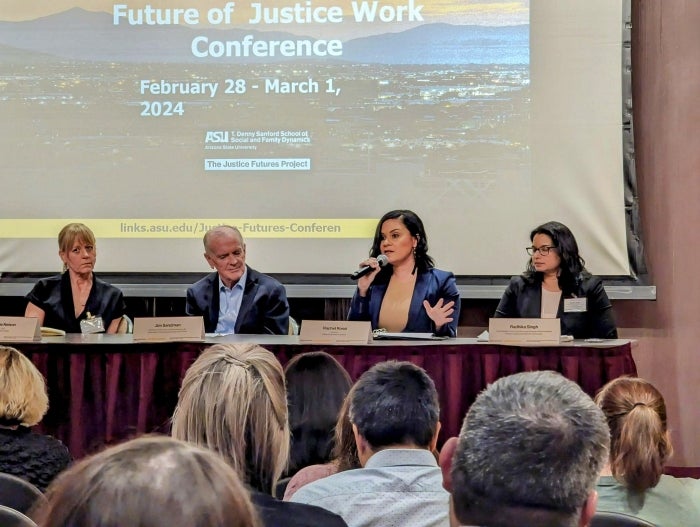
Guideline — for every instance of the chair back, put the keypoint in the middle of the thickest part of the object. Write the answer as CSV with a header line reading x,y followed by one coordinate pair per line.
x,y
126,325
17,493
293,326
12,518
617,519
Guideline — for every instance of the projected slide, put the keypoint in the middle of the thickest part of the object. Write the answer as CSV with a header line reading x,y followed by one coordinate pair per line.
x,y
299,122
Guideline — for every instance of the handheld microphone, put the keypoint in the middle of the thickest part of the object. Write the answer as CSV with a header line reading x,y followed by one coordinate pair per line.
x,y
382,260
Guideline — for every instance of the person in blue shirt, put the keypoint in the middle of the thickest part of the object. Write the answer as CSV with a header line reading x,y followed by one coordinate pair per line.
x,y
236,298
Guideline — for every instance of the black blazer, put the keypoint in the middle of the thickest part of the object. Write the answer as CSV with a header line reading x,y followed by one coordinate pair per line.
x,y
523,299
277,513
264,307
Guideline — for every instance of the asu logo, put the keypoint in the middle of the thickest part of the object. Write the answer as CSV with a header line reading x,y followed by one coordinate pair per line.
x,y
216,137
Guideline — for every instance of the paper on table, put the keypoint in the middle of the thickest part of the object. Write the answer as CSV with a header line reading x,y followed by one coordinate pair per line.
x,y
386,335
484,337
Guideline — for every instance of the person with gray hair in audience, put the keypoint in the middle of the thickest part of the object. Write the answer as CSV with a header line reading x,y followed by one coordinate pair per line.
x,y
394,413
529,454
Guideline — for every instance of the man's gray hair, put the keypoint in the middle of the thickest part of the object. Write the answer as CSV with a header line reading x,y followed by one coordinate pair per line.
x,y
530,451
221,230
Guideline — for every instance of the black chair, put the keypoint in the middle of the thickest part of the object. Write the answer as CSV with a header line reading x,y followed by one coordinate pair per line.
x,y
12,518
17,493
617,519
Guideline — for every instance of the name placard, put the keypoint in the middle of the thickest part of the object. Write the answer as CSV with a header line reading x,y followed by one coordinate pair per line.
x,y
335,332
19,329
168,329
524,331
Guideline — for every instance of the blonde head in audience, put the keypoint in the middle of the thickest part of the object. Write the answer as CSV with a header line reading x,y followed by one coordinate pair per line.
x,y
233,400
148,482
23,398
639,440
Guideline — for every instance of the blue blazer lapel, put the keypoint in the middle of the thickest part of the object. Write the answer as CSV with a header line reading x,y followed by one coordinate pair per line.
x,y
375,302
420,293
214,303
248,300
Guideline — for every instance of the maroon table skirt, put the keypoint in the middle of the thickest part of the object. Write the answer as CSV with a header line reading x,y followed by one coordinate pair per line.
x,y
104,393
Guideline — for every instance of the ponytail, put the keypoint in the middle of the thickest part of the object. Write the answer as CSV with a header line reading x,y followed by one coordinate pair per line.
x,y
641,449
639,443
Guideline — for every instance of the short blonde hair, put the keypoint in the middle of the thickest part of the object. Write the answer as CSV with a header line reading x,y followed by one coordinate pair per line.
x,y
23,397
72,232
233,400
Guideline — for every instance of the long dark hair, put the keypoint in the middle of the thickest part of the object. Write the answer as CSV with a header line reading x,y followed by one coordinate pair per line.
x,y
572,266
316,387
415,226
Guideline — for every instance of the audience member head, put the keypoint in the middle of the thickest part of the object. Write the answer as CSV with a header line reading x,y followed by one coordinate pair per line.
x,y
76,234
394,405
148,482
316,387
224,251
563,246
345,449
639,440
233,401
415,227
529,454
23,398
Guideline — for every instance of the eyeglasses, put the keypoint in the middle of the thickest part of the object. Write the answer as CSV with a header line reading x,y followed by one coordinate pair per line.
x,y
544,250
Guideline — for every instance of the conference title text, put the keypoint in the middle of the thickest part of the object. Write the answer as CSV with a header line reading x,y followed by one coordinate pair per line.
x,y
259,14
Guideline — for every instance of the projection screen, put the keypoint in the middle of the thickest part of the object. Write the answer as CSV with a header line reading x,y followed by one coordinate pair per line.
x,y
303,122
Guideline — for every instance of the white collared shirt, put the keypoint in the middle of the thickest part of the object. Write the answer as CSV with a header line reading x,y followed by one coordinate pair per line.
x,y
396,488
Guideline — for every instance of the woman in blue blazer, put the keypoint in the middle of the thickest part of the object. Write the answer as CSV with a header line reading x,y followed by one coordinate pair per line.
x,y
407,294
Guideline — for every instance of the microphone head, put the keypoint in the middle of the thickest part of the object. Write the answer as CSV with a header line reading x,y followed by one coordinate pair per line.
x,y
382,260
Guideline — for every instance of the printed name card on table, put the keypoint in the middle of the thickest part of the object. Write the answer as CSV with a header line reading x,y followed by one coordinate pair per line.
x,y
19,329
168,329
539,331
335,332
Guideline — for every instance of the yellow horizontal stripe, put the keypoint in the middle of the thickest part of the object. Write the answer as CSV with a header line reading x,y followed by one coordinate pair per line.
x,y
193,227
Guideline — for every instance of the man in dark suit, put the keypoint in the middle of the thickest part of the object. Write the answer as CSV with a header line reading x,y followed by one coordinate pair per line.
x,y
236,298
